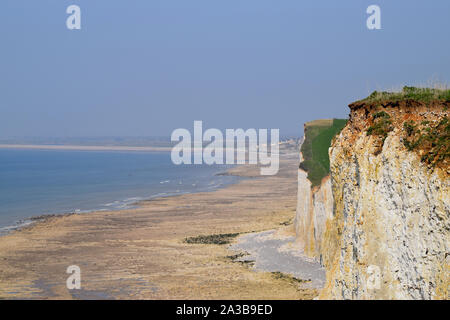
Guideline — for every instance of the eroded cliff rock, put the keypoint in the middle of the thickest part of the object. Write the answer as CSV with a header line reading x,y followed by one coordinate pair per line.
x,y
314,208
315,201
388,236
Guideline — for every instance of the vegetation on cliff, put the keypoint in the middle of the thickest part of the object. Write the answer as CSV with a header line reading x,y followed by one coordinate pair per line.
x,y
318,137
432,140
429,138
409,93
382,125
390,199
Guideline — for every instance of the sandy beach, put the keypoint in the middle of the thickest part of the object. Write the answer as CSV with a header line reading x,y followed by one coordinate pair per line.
x,y
141,253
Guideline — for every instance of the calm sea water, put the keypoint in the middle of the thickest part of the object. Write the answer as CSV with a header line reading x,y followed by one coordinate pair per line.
x,y
35,182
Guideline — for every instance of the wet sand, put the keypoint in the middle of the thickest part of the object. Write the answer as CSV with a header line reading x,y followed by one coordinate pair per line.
x,y
277,251
140,253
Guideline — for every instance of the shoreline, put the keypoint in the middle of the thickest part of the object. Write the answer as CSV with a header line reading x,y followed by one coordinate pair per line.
x,y
124,204
28,222
139,201
141,253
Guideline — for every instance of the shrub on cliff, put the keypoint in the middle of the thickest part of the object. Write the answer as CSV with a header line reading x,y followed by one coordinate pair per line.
x,y
431,139
382,125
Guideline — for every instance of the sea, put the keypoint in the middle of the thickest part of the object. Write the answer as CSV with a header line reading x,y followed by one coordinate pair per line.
x,y
39,182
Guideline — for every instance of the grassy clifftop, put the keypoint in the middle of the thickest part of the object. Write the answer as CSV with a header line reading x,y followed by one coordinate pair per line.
x,y
412,93
318,136
420,116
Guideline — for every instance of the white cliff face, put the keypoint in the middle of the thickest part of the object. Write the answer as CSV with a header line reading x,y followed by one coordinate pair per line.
x,y
323,210
314,207
395,218
303,218
389,235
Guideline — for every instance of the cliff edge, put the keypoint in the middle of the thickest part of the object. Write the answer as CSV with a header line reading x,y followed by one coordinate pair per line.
x,y
314,200
388,234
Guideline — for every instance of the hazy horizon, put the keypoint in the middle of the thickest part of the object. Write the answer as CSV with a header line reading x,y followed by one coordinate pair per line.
x,y
145,68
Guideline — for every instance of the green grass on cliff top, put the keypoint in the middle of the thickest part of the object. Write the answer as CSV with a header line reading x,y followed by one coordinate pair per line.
x,y
413,93
318,136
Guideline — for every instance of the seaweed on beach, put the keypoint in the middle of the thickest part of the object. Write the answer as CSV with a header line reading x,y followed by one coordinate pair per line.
x,y
288,277
224,238
236,258
286,223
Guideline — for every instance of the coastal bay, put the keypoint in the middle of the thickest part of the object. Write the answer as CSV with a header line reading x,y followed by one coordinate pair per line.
x,y
141,253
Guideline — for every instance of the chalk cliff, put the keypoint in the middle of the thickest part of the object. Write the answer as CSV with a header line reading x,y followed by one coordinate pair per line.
x,y
386,235
314,208
315,201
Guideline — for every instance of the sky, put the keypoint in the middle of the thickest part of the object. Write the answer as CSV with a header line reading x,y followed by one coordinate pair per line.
x,y
147,67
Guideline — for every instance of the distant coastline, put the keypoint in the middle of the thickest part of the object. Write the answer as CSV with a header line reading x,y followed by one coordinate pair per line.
x,y
83,148
116,177
142,250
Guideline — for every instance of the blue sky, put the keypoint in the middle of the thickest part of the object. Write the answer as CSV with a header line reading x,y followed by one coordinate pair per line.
x,y
147,67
